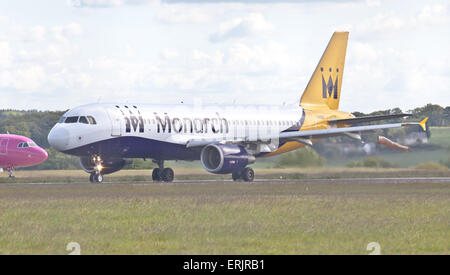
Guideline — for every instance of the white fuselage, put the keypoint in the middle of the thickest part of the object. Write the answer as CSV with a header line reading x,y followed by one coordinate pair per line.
x,y
87,126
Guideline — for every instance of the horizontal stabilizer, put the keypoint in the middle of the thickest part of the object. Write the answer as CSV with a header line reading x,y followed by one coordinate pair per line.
x,y
366,119
391,144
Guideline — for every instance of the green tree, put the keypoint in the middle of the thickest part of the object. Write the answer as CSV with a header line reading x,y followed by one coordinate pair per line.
x,y
303,157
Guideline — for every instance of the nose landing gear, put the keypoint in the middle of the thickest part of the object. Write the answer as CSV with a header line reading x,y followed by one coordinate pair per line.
x,y
96,175
10,171
161,173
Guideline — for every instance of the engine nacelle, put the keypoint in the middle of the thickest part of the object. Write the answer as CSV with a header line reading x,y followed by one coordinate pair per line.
x,y
108,165
225,158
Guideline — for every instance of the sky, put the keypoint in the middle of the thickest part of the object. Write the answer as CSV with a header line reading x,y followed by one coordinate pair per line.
x,y
56,55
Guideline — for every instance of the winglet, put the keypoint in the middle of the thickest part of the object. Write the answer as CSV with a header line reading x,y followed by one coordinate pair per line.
x,y
423,124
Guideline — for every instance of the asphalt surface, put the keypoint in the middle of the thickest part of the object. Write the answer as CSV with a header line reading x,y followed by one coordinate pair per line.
x,y
263,181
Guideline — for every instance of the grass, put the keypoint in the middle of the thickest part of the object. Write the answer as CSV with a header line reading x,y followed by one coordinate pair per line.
x,y
440,136
226,218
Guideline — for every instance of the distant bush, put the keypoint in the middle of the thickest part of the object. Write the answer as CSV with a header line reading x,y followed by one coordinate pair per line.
x,y
375,162
431,166
445,162
354,163
140,164
303,157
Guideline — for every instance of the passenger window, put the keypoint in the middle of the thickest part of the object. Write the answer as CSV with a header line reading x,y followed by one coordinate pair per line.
x,y
83,120
71,119
91,120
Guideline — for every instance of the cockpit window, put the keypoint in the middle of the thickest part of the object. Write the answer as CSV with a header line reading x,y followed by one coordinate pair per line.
x,y
26,144
80,119
91,120
71,119
83,119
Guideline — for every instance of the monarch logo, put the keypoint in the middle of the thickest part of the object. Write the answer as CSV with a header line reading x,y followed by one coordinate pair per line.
x,y
329,88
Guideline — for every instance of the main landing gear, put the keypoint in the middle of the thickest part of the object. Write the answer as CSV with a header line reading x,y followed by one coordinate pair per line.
x,y
96,175
246,174
161,173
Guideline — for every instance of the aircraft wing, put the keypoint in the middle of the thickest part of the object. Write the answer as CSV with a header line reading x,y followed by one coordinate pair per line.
x,y
366,119
331,132
307,135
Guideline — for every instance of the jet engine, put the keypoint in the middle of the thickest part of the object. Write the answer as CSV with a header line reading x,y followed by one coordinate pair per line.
x,y
225,158
108,165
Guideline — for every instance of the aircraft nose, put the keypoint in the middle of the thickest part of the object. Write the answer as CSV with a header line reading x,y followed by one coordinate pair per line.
x,y
58,138
40,155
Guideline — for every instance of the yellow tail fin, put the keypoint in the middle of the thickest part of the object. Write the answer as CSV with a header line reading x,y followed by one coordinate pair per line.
x,y
324,87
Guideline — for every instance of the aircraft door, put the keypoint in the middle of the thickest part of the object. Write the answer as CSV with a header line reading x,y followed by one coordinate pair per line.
x,y
116,121
4,146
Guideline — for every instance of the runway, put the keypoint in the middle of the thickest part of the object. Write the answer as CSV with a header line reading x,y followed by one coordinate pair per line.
x,y
396,180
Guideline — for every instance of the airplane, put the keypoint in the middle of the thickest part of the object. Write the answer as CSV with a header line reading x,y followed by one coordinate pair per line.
x,y
226,139
19,151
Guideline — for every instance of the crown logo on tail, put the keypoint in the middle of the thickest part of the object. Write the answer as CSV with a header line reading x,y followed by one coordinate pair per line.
x,y
329,88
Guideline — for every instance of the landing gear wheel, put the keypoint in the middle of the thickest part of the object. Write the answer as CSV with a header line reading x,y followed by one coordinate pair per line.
x,y
236,175
248,174
98,178
167,175
91,177
156,174
10,171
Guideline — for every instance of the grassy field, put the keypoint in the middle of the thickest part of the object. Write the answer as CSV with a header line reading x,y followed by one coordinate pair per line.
x,y
440,136
226,218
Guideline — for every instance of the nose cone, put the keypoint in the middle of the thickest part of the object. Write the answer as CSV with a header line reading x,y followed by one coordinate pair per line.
x,y
58,138
40,155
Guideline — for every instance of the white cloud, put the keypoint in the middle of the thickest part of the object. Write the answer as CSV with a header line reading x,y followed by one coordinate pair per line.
x,y
175,14
253,24
106,3
394,22
383,22
27,77
5,55
397,51
96,3
385,77
31,58
38,33
64,32
373,3
433,14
